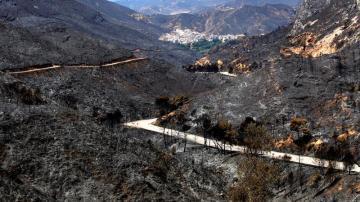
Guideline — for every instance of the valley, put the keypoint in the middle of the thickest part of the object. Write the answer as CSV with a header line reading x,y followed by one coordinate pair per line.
x,y
223,24
222,101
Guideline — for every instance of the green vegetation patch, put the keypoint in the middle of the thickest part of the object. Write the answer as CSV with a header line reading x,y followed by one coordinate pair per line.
x,y
203,46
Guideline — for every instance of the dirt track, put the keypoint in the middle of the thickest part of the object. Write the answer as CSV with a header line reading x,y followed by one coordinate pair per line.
x,y
76,66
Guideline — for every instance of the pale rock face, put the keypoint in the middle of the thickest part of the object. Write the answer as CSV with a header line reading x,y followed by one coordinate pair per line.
x,y
306,9
310,7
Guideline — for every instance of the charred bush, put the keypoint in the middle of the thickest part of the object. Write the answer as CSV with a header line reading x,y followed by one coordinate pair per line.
x,y
300,125
160,166
254,135
205,68
205,122
163,103
250,133
70,101
223,130
258,179
244,124
112,119
169,104
338,152
297,123
186,127
24,94
172,111
314,180
303,140
327,151
174,119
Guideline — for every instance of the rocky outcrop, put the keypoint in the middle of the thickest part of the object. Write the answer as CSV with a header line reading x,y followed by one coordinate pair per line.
x,y
332,26
306,9
204,64
310,10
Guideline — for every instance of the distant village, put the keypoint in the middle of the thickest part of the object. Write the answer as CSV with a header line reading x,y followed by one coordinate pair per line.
x,y
188,36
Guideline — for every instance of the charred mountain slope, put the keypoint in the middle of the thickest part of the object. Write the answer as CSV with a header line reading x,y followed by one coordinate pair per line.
x,y
61,136
311,71
124,16
73,32
60,130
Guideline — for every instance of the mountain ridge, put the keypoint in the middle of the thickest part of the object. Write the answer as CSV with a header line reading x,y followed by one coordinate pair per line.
x,y
193,6
233,21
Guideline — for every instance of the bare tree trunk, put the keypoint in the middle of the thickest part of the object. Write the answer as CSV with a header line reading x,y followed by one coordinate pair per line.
x,y
185,144
164,137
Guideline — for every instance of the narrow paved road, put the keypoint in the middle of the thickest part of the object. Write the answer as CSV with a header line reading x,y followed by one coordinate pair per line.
x,y
228,74
222,73
77,66
305,160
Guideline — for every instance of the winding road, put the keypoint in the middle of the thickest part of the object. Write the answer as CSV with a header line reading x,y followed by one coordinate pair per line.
x,y
304,160
76,66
